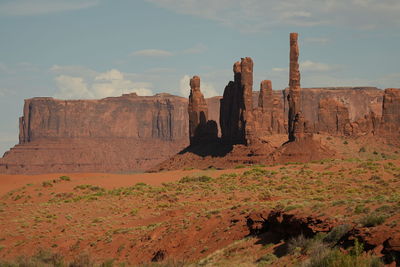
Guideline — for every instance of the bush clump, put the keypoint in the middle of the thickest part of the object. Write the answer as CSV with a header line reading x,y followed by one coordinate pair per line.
x,y
372,220
337,233
65,178
201,179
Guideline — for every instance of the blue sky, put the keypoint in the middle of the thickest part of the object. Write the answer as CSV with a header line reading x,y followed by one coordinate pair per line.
x,y
73,49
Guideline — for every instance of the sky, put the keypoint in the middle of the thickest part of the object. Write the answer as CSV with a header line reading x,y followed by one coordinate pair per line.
x,y
89,49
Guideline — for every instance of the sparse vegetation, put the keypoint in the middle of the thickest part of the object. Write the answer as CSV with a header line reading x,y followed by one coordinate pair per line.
x,y
372,220
65,178
353,193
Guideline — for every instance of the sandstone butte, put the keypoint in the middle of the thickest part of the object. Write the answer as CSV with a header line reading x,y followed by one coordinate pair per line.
x,y
136,133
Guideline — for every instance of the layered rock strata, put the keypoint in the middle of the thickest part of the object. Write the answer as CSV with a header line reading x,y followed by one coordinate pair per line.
x,y
116,134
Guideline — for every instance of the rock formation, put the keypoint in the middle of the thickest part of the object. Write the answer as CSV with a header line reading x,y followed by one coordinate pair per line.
x,y
131,133
265,98
247,89
232,110
198,113
242,121
390,122
294,97
124,133
333,118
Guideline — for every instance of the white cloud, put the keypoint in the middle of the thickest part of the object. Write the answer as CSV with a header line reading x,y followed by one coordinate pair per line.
x,y
259,15
152,53
207,89
110,83
111,75
197,49
72,87
39,7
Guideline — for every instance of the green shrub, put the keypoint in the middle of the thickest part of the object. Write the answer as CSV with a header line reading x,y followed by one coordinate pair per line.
x,y
362,149
240,166
372,219
337,233
335,258
134,212
65,178
201,179
361,209
299,244
267,259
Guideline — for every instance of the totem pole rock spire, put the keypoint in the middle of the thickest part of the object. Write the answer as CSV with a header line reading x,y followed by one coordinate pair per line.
x,y
294,96
198,111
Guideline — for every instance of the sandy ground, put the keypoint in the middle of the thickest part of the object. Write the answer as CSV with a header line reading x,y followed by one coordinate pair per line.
x,y
10,182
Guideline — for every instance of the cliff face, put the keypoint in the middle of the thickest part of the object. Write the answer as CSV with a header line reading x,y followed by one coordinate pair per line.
x,y
113,134
160,117
131,133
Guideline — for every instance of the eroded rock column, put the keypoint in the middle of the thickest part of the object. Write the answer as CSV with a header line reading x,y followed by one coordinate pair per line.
x,y
232,109
294,86
247,87
198,112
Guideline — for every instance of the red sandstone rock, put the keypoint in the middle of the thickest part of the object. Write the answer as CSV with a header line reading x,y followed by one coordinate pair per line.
x,y
232,110
390,122
265,99
333,117
198,113
247,89
114,134
294,86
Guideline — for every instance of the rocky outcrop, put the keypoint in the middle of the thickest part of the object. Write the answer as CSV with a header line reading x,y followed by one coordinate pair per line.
x,y
132,133
201,130
246,117
124,133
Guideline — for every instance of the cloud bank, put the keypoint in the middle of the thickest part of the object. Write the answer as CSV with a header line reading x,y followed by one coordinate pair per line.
x,y
101,85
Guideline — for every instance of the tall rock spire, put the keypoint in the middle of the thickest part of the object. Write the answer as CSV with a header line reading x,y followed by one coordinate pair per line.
x,y
247,87
294,96
198,111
